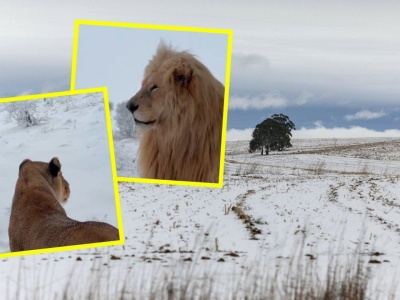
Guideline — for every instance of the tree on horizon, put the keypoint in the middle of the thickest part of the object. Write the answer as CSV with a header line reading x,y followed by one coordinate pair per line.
x,y
272,134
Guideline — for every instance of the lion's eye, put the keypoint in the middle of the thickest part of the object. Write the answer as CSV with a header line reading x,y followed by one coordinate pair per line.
x,y
153,88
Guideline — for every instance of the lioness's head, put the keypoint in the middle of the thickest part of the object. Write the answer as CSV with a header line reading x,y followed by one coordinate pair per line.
x,y
168,89
51,171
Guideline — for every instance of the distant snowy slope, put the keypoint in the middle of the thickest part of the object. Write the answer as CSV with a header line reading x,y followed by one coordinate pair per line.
x,y
75,131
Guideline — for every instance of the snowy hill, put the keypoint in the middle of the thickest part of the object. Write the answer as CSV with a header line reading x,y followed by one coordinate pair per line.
x,y
74,130
284,221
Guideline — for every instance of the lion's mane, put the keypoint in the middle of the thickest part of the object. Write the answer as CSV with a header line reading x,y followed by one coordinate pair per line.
x,y
185,141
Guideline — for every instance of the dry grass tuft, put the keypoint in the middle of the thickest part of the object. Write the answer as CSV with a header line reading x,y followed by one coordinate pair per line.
x,y
247,169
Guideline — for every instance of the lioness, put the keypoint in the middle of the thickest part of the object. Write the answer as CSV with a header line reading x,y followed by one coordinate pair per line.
x,y
37,218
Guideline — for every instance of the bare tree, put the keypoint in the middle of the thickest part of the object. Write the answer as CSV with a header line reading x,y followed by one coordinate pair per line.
x,y
25,113
124,120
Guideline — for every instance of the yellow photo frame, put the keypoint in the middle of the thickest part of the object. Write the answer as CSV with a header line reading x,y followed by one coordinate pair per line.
x,y
112,175
79,24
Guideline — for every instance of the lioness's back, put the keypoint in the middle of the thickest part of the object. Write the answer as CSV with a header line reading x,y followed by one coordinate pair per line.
x,y
91,232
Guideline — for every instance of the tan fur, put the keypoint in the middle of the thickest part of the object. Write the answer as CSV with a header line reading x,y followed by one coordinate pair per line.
x,y
179,110
37,218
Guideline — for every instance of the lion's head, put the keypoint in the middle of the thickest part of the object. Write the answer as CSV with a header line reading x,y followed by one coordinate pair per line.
x,y
177,88
179,111
50,172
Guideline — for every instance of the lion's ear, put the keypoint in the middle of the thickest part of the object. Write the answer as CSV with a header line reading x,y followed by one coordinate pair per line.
x,y
54,166
23,162
182,75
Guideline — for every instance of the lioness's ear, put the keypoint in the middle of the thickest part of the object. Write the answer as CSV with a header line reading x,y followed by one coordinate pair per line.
x,y
23,162
182,75
54,166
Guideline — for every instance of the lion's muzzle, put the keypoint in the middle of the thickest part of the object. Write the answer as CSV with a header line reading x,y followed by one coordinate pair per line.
x,y
131,106
140,118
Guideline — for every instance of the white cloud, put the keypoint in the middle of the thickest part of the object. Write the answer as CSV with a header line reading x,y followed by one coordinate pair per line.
x,y
268,100
365,115
320,132
239,134
259,102
342,132
318,124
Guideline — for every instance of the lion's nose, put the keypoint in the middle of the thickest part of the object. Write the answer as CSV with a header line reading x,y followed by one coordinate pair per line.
x,y
131,106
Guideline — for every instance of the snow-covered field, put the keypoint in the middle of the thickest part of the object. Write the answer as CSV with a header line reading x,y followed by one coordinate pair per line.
x,y
324,203
74,130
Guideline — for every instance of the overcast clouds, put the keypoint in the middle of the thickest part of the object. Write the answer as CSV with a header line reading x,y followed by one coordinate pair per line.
x,y
287,55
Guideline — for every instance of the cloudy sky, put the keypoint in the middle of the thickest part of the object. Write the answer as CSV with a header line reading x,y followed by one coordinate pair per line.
x,y
333,68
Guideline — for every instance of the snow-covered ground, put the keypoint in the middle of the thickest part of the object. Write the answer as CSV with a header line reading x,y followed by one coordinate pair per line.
x,y
322,201
74,130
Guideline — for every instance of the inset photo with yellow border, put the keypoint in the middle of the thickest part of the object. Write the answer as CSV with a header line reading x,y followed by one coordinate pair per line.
x,y
57,174
168,90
